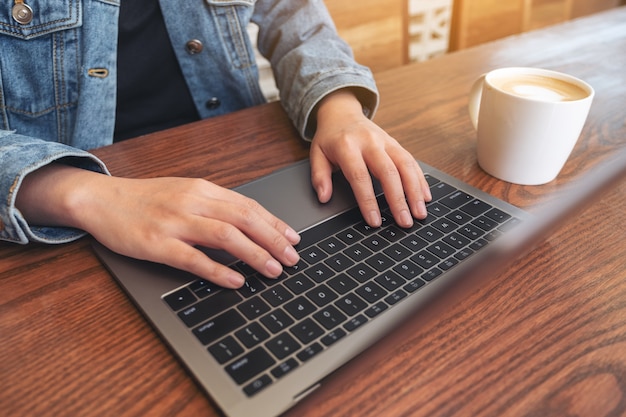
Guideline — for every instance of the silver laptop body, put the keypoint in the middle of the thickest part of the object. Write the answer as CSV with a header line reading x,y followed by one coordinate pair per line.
x,y
288,194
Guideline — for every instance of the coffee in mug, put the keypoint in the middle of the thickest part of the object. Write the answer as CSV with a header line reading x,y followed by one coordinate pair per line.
x,y
528,121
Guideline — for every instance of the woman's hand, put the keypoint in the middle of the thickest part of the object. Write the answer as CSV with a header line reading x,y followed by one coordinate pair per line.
x,y
345,138
161,220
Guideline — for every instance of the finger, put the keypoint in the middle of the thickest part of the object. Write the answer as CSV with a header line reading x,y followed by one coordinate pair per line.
x,y
390,179
415,186
232,206
240,230
356,172
181,255
321,174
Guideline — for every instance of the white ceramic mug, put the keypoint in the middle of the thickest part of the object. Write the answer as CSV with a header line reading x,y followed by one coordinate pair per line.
x,y
527,121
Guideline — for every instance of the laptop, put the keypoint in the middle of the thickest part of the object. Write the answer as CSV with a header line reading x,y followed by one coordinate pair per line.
x,y
259,350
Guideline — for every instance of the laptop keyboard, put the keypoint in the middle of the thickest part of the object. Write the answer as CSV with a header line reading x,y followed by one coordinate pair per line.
x,y
348,274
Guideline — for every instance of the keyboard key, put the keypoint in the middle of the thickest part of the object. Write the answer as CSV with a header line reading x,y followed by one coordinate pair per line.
x,y
475,208
349,236
459,217
313,254
371,292
355,322
470,231
209,307
485,223
375,243
414,243
339,262
284,368
437,209
392,233
252,335
306,331
351,304
444,225
376,309
431,274
253,308
277,295
498,215
203,288
300,307
395,297
321,295
330,317
429,234
361,273
358,252
219,326
251,287
257,385
442,250
332,245
342,283
226,349
440,190
299,284
276,321
414,285
478,244
283,345
309,352
319,272
397,252
456,240
380,262
292,270
390,280
448,263
180,299
249,365
333,336
425,259
408,270
456,199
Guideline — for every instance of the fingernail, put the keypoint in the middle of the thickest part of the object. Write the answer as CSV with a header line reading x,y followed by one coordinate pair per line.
x,y
421,208
235,280
291,255
273,268
292,236
406,220
373,219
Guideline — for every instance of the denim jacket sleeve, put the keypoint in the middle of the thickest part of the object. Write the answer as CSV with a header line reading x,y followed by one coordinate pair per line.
x,y
309,59
20,155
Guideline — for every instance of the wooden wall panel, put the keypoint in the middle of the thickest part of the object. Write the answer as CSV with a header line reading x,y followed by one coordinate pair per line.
x,y
374,29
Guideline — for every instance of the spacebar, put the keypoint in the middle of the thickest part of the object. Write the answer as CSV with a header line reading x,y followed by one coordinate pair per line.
x,y
329,227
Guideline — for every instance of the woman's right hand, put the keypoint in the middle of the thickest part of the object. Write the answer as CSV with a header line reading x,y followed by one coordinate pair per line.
x,y
161,220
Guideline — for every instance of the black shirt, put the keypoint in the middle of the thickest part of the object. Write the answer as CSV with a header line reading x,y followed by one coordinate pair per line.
x,y
151,92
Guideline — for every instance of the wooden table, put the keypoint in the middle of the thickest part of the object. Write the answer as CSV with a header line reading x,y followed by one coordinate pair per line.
x,y
547,337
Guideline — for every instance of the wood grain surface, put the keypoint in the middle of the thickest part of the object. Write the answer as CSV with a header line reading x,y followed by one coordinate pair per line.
x,y
545,338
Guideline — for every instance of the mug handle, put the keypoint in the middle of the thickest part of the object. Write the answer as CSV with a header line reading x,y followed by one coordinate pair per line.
x,y
474,99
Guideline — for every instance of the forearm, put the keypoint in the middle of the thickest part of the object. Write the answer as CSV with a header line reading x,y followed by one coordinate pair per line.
x,y
57,195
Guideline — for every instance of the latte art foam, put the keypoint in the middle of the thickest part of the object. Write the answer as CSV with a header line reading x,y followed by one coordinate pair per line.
x,y
539,87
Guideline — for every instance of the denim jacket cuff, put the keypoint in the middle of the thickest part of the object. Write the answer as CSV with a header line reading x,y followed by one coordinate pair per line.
x,y
20,157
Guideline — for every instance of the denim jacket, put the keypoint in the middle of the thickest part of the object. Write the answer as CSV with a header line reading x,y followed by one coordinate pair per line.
x,y
58,77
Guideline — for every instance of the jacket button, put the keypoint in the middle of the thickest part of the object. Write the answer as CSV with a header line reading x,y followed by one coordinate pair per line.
x,y
213,103
194,46
22,13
